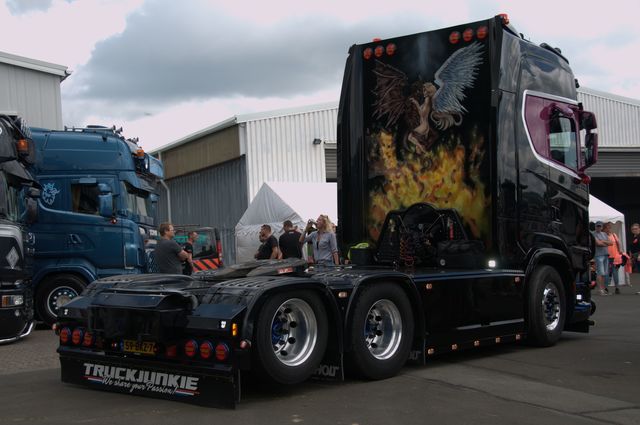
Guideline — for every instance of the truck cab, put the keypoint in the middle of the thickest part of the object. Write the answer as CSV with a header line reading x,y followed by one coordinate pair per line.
x,y
18,191
96,211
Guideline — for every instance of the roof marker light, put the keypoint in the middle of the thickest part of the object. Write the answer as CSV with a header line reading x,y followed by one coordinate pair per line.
x,y
391,49
454,37
467,35
505,18
482,32
378,51
367,53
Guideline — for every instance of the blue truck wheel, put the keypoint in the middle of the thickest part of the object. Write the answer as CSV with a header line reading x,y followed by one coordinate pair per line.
x,y
55,292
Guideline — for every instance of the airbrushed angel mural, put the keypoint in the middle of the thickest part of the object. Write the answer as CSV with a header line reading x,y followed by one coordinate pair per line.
x,y
413,154
439,102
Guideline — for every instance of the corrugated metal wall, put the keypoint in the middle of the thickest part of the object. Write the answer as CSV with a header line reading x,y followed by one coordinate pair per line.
x,y
281,148
32,94
216,197
618,118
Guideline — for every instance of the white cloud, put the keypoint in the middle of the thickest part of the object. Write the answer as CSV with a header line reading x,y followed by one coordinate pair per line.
x,y
65,33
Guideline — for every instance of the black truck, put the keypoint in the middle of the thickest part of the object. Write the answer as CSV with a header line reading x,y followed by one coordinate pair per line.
x,y
462,158
18,193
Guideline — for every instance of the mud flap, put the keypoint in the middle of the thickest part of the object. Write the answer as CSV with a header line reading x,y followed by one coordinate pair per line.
x,y
219,387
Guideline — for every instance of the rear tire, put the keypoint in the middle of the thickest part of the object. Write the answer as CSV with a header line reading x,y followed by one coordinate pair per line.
x,y
381,331
291,337
54,292
547,308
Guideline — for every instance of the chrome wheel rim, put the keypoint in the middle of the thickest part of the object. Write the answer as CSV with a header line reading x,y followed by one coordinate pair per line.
x,y
294,332
551,306
383,329
59,297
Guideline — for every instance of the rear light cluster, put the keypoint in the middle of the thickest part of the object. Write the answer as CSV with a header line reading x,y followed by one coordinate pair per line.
x,y
468,35
379,51
77,336
206,350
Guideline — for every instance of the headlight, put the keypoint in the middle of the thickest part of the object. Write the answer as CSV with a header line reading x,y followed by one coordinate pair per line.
x,y
12,300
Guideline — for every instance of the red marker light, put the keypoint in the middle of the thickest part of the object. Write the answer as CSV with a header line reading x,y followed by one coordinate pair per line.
x,y
65,335
391,49
368,52
222,351
467,35
454,37
376,39
171,351
87,341
379,51
206,348
190,348
482,33
505,18
77,336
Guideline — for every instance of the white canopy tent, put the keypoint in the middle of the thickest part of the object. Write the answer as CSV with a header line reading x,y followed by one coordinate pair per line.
x,y
599,211
276,202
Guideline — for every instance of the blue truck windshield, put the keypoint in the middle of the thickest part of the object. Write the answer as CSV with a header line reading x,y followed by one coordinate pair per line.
x,y
138,202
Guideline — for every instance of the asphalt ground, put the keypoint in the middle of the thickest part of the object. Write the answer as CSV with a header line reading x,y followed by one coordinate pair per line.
x,y
584,379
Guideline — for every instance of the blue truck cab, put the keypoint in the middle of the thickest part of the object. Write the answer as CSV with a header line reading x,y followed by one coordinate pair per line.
x,y
96,212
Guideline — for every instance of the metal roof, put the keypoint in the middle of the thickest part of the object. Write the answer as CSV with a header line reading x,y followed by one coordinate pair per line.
x,y
34,64
238,119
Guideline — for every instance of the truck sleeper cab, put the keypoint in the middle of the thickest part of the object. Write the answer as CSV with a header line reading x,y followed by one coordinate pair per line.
x,y
473,201
96,213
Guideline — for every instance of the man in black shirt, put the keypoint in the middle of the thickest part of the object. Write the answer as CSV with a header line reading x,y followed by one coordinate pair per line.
x,y
290,241
634,247
188,248
269,248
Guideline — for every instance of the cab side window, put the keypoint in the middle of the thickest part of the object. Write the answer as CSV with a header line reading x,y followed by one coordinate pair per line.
x,y
84,198
552,130
562,141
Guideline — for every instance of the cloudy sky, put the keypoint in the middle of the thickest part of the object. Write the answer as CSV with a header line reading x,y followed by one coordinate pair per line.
x,y
164,69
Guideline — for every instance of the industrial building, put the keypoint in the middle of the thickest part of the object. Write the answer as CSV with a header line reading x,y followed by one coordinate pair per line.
x,y
31,88
211,176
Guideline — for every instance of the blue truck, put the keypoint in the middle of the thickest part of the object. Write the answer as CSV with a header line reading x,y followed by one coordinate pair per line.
x,y
18,193
96,213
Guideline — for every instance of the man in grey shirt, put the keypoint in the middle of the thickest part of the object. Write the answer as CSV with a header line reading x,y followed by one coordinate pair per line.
x,y
168,254
601,257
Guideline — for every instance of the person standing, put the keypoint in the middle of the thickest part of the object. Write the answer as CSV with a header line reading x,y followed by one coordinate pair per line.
x,y
615,257
168,253
188,248
634,247
269,244
325,246
601,257
290,241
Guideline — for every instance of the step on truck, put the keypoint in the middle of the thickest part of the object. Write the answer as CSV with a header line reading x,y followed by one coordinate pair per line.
x,y
18,194
462,158
96,213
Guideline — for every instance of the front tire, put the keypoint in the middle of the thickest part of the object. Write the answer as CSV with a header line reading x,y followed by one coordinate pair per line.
x,y
547,308
291,337
55,292
381,331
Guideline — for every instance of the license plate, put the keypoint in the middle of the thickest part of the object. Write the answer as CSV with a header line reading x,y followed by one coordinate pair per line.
x,y
132,346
